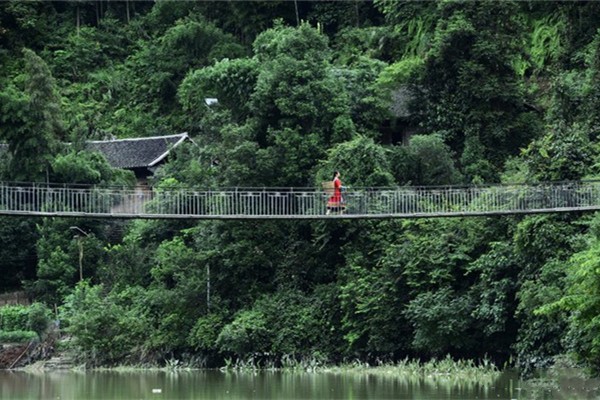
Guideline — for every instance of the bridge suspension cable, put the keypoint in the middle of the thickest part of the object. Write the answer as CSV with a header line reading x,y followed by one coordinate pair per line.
x,y
40,199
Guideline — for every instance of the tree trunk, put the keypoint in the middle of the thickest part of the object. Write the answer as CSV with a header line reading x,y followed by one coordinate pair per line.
x,y
297,15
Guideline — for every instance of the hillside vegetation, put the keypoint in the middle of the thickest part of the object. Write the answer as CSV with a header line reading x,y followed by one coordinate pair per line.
x,y
493,91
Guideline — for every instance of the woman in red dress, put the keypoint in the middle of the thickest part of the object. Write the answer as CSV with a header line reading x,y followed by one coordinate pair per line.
x,y
336,202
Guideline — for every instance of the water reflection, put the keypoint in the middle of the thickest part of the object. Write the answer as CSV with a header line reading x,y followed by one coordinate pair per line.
x,y
210,384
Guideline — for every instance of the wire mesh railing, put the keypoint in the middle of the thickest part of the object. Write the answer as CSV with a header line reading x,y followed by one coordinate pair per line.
x,y
283,203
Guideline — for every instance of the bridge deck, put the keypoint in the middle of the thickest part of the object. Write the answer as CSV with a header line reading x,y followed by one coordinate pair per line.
x,y
296,203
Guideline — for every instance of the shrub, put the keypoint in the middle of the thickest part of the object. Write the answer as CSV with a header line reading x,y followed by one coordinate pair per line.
x,y
38,318
13,318
17,336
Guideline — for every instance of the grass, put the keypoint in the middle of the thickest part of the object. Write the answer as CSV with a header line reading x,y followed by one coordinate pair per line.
x,y
446,368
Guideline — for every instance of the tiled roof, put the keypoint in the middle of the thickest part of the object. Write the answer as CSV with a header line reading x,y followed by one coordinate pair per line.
x,y
131,153
136,152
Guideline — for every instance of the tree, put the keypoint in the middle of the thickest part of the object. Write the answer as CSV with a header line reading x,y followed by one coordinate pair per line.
x,y
157,68
495,275
300,106
38,318
580,301
469,91
288,323
427,160
26,24
32,121
87,167
441,320
18,257
411,26
106,327
361,161
373,295
58,250
230,81
543,246
563,153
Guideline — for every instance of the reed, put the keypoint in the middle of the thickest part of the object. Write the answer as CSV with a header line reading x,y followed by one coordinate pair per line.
x,y
446,368
442,368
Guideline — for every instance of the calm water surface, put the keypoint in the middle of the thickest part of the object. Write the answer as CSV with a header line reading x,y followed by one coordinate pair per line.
x,y
159,385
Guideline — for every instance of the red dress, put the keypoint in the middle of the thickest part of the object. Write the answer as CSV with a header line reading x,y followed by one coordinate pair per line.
x,y
336,200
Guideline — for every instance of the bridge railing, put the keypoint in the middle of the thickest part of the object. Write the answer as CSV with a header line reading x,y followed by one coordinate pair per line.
x,y
44,199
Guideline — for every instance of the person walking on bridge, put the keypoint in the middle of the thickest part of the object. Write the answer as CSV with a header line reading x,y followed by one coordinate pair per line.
x,y
336,201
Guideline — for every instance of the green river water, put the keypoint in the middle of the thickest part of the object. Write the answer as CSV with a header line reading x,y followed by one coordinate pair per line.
x,y
214,384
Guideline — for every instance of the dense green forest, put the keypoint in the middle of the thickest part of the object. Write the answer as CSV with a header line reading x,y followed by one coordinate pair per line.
x,y
492,91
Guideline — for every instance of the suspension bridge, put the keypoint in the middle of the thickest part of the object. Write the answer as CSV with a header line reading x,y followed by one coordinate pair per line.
x,y
41,199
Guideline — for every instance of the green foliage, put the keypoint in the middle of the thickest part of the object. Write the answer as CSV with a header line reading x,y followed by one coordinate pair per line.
x,y
298,323
589,89
90,168
468,90
55,277
564,153
106,328
17,322
127,265
573,300
205,332
59,250
17,336
298,107
334,17
496,276
296,88
173,258
154,72
18,256
352,44
541,335
401,72
25,24
427,160
231,82
285,323
361,162
369,104
546,41
541,238
247,333
440,321
543,244
32,120
581,298
88,49
295,103
412,26
568,98
14,318
372,299
435,254
515,171
291,156
38,318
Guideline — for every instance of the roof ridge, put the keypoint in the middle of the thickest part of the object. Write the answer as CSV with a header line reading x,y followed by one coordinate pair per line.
x,y
180,135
